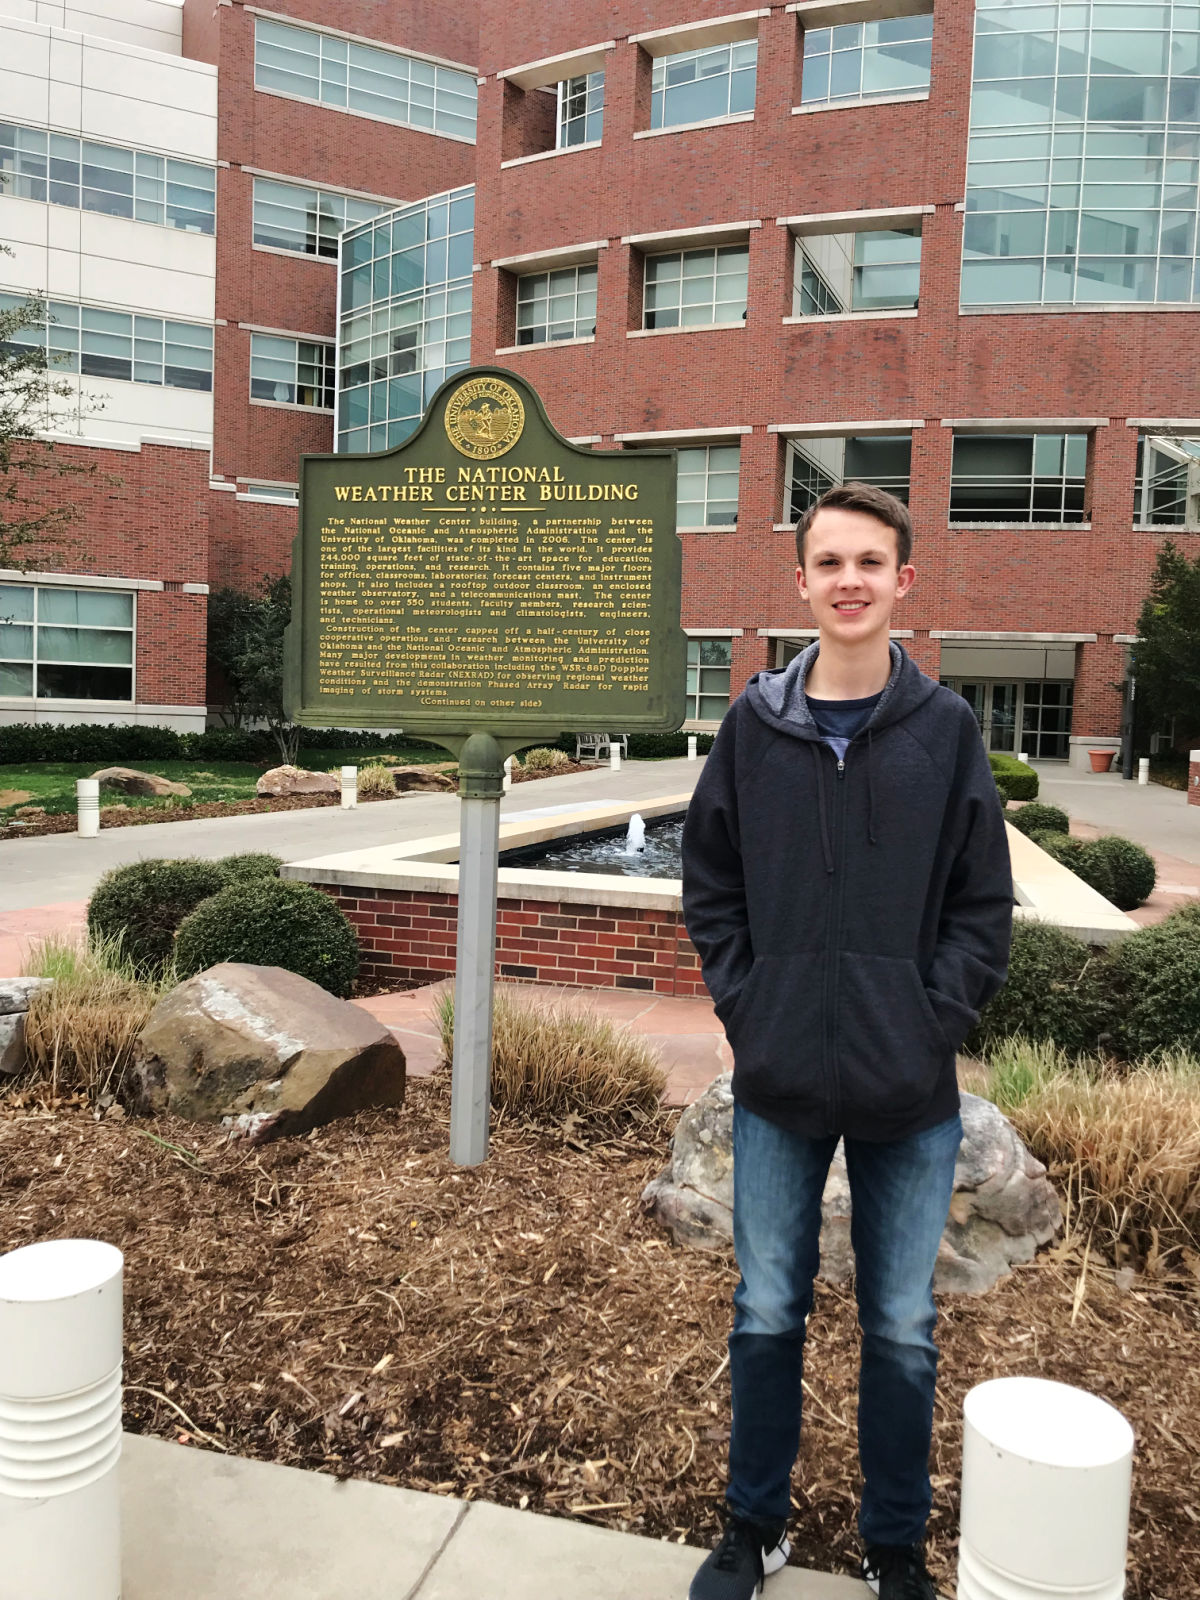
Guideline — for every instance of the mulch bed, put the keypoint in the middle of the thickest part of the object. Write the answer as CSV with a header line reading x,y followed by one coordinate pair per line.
x,y
352,1303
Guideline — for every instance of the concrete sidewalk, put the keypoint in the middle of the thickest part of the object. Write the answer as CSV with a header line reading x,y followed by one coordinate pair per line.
x,y
203,1526
1154,816
63,867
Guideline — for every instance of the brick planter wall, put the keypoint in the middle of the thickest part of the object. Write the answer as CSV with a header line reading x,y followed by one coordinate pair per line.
x,y
1193,789
408,938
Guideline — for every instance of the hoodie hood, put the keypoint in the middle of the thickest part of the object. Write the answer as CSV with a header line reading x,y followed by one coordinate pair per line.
x,y
779,697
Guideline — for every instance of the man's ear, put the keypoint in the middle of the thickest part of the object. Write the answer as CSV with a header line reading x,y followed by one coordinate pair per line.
x,y
905,578
800,583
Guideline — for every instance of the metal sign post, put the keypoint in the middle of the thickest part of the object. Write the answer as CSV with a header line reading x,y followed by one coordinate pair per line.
x,y
486,584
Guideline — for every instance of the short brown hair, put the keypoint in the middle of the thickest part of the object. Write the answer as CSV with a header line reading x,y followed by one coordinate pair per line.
x,y
867,498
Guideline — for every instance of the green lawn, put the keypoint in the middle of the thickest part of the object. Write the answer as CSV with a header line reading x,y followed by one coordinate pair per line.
x,y
52,784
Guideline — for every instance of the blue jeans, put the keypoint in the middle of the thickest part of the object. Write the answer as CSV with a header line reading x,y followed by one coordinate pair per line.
x,y
900,1193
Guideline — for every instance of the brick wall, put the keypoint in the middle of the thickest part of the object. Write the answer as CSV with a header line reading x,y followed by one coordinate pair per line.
x,y
408,938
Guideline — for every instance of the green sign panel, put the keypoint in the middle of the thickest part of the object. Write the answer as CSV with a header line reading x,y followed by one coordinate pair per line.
x,y
487,576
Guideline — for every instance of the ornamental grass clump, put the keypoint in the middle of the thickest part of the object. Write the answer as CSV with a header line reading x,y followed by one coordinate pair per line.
x,y
1124,1144
1051,993
554,1062
142,905
81,1032
271,923
376,779
543,758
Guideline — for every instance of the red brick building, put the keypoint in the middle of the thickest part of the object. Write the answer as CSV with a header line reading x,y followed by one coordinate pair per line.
x,y
872,238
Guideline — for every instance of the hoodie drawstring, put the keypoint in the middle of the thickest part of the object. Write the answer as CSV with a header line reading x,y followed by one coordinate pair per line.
x,y
871,839
822,804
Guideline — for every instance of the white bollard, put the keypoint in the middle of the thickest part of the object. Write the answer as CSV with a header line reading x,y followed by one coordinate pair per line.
x,y
614,757
349,788
1023,757
1144,769
691,747
1045,1493
87,807
60,1420
507,780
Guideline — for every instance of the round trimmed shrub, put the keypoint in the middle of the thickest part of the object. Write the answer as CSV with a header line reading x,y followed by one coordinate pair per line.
x,y
251,866
1050,992
1131,868
271,922
144,903
1081,858
1154,979
1039,818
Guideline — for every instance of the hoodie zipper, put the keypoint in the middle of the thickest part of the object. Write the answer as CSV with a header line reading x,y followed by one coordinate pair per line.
x,y
832,955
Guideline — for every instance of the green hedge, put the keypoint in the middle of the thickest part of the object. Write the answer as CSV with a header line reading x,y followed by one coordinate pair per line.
x,y
142,905
1039,818
271,923
109,743
1051,992
1014,778
1152,979
1133,871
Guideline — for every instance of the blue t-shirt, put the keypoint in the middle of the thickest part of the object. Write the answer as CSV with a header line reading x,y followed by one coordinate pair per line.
x,y
839,720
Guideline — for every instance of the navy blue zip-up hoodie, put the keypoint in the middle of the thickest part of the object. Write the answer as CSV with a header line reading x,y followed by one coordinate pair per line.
x,y
851,916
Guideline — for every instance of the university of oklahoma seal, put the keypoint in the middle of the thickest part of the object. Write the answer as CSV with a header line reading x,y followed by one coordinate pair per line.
x,y
484,418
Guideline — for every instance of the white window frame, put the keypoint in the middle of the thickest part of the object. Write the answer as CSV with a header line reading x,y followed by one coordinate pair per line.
x,y
589,86
285,346
707,522
63,335
1064,479
582,325
693,718
337,60
717,253
698,55
78,587
832,34
315,204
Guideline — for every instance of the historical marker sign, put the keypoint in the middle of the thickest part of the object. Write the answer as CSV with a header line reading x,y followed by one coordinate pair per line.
x,y
486,576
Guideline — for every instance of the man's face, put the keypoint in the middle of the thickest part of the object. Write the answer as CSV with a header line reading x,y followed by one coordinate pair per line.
x,y
850,576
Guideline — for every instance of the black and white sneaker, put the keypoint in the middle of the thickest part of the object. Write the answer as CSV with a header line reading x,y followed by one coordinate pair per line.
x,y
897,1572
748,1553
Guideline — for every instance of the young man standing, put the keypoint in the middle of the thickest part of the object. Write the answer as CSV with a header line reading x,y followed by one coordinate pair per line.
x,y
846,881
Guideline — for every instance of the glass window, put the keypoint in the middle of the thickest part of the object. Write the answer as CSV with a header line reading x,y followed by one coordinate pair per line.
x,y
1018,477
556,305
707,486
65,644
1167,492
866,60
269,491
709,662
296,372
1084,119
289,216
364,79
838,272
698,85
580,110
114,179
694,288
113,344
815,465
405,316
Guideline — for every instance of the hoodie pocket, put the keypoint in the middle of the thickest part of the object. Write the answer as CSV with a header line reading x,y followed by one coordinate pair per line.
x,y
775,1031
890,1046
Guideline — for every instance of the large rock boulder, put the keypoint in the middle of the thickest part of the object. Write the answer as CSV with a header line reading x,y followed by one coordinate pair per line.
x,y
128,780
15,995
431,779
266,1049
279,781
1003,1207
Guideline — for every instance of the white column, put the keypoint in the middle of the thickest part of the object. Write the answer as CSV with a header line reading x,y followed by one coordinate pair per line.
x,y
1023,757
349,788
471,1070
614,757
87,807
1144,769
691,747
508,768
60,1421
1045,1493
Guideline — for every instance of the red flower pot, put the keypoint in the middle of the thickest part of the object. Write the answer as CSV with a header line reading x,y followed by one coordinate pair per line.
x,y
1101,760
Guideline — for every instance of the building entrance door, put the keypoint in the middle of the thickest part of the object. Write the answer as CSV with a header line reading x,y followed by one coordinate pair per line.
x,y
995,708
1034,716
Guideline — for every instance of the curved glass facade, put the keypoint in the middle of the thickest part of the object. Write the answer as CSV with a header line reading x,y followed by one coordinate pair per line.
x,y
404,316
1084,154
